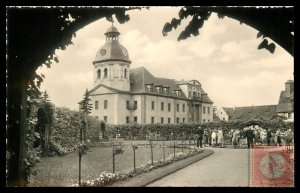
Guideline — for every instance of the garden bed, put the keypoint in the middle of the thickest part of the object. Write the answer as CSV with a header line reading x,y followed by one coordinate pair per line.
x,y
63,171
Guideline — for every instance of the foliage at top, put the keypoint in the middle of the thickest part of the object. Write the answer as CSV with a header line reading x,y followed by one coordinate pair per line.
x,y
274,23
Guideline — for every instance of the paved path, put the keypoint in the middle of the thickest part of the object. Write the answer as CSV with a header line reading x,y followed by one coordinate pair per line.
x,y
226,167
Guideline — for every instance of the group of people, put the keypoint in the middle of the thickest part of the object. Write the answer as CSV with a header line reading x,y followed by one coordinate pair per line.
x,y
211,138
251,136
260,136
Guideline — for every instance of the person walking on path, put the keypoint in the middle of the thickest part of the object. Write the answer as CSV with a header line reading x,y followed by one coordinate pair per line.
x,y
200,133
220,138
213,138
250,136
269,136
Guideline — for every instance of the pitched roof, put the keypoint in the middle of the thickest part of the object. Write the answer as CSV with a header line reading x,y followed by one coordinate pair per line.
x,y
251,112
139,77
285,103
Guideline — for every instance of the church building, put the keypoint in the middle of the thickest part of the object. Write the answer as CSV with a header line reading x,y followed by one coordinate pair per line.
x,y
124,95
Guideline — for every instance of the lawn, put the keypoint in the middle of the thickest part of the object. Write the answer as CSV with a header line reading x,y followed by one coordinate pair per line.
x,y
63,171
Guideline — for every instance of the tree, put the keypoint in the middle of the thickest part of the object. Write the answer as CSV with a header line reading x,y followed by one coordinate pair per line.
x,y
274,23
86,108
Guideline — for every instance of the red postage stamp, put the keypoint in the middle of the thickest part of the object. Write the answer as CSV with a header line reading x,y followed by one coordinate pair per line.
x,y
272,166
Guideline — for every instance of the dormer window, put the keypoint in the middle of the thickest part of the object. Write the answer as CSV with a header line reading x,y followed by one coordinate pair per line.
x,y
149,87
159,88
166,90
177,92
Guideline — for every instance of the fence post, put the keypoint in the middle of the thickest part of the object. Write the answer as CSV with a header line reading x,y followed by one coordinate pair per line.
x,y
134,159
164,150
174,148
151,152
113,154
79,176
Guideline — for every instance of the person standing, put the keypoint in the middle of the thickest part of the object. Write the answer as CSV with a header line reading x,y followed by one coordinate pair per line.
x,y
249,135
220,138
278,137
213,138
200,137
205,138
269,136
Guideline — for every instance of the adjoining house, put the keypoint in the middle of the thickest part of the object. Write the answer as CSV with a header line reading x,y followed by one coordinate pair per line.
x,y
284,108
122,95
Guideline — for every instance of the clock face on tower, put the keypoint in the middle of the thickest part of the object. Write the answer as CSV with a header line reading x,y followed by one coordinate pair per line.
x,y
103,52
125,52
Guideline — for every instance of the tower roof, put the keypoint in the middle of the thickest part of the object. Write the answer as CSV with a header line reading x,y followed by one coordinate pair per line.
x,y
112,50
289,82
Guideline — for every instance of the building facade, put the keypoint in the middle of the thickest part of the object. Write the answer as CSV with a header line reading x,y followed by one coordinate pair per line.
x,y
122,95
285,105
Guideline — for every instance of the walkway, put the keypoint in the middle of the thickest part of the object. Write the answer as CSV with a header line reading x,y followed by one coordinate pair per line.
x,y
226,167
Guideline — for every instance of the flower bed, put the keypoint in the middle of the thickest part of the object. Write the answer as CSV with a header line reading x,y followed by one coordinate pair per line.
x,y
106,178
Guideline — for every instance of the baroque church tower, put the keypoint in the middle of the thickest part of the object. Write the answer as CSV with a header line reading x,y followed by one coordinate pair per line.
x,y
112,63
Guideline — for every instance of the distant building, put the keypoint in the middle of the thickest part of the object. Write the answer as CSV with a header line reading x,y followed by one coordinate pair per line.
x,y
122,95
285,106
265,112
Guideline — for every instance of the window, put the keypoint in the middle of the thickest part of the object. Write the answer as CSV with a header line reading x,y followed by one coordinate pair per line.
x,y
96,105
289,115
162,120
183,108
152,105
194,94
169,107
183,120
177,120
98,73
223,118
208,120
177,107
152,120
105,104
208,110
97,117
125,73
158,88
162,106
203,110
127,104
150,87
105,72
203,120
127,120
169,120
105,118
135,119
135,104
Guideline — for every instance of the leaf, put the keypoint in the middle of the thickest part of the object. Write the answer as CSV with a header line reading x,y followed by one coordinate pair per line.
x,y
221,16
167,28
263,44
182,13
56,59
271,47
175,22
259,34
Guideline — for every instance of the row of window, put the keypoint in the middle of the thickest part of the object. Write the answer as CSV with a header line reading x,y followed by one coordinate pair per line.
x,y
162,89
204,109
162,106
153,120
97,104
105,71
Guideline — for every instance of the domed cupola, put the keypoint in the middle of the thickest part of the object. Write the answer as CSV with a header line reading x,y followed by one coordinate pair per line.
x,y
112,63
112,50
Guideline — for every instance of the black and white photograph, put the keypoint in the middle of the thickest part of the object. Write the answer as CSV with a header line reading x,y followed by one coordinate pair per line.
x,y
158,96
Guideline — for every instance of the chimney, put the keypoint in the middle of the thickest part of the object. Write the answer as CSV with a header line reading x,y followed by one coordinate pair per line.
x,y
289,87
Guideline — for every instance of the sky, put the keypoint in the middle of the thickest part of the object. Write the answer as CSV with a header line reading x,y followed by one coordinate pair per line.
x,y
224,58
